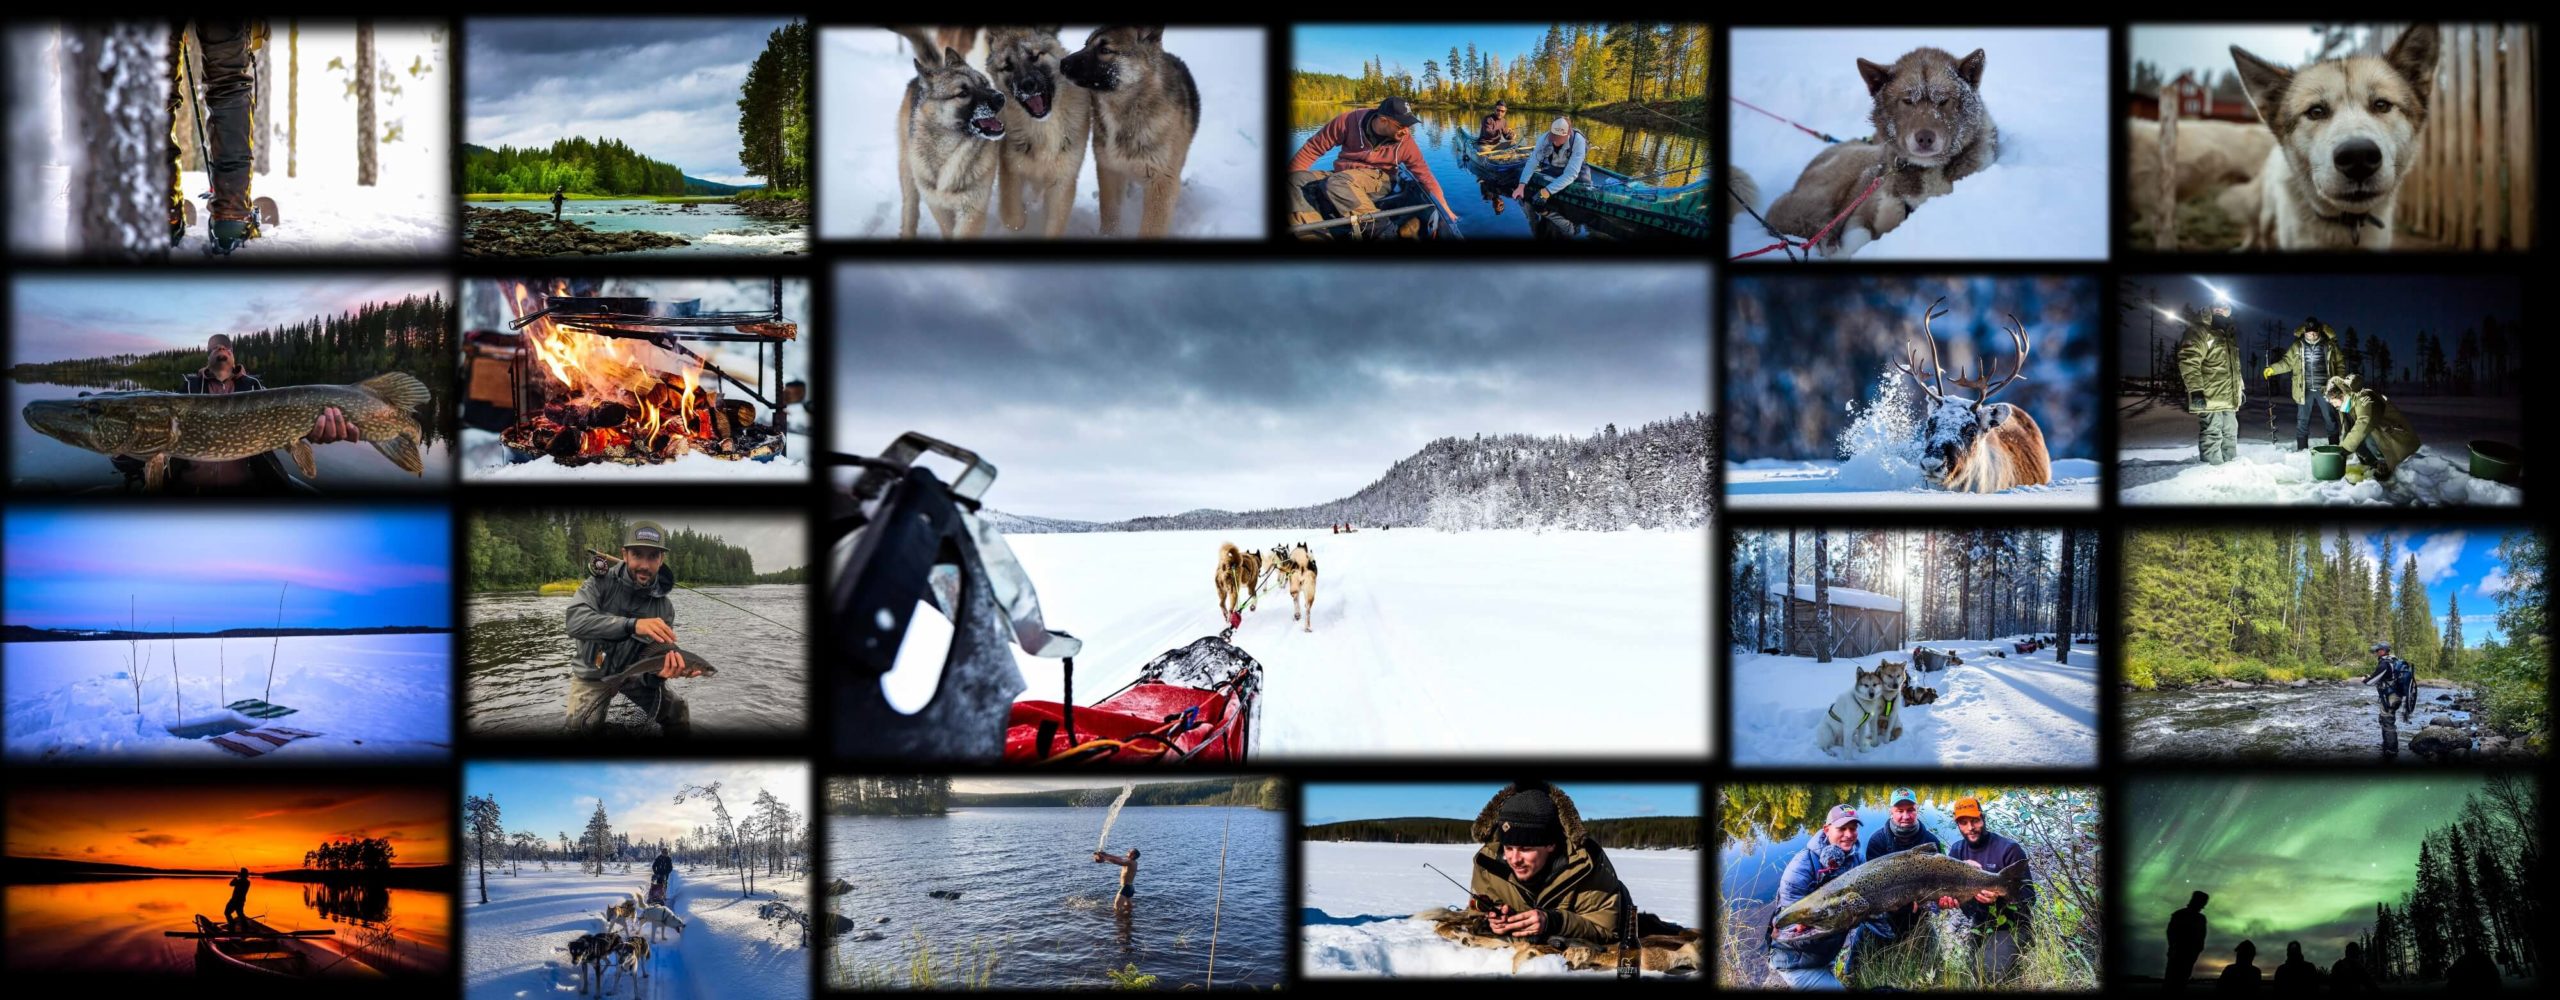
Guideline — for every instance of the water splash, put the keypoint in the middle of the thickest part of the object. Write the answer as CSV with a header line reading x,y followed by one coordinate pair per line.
x,y
1114,815
1881,448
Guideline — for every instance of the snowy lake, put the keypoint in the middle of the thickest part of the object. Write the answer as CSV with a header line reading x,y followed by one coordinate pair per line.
x,y
518,664
42,464
1631,150
518,945
374,698
1420,637
2017,710
708,228
1031,891
112,924
2318,721
1361,897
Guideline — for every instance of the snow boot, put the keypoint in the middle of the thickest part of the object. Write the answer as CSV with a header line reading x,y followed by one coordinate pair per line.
x,y
226,235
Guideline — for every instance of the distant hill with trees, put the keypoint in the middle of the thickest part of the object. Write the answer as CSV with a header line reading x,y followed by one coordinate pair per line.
x,y
1678,833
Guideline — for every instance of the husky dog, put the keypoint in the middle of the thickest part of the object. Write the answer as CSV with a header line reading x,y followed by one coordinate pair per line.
x,y
1931,130
2347,133
949,125
1045,124
1145,111
1850,724
632,957
1896,675
1929,660
620,914
1913,694
658,918
1238,572
1297,566
590,952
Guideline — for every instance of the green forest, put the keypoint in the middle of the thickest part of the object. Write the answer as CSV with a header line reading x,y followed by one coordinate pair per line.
x,y
932,796
774,112
581,165
521,550
2272,604
1676,833
1575,66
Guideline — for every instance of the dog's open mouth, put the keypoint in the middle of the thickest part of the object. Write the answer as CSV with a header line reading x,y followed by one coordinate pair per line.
x,y
1036,102
984,122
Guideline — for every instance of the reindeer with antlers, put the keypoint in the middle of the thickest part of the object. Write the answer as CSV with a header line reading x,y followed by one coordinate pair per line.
x,y
1975,445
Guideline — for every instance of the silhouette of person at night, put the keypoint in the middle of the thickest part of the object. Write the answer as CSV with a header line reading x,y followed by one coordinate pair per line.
x,y
2186,942
2242,975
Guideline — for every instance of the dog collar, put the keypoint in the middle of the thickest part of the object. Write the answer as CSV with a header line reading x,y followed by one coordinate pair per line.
x,y
2355,223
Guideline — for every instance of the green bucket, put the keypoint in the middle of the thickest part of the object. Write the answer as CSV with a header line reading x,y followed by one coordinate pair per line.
x,y
2496,461
2328,462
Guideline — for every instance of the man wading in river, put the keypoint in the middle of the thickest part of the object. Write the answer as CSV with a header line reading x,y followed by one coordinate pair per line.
x,y
625,627
1128,878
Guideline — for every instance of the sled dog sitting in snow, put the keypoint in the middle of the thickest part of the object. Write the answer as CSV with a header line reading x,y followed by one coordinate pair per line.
x,y
1850,724
1146,109
1973,445
659,918
1238,572
951,126
1928,660
1045,125
2347,133
1931,130
1896,676
1297,566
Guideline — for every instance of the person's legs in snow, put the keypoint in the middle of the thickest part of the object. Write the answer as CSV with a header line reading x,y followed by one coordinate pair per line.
x,y
231,115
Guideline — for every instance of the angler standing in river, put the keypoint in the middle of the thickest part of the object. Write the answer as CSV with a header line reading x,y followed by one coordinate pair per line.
x,y
625,626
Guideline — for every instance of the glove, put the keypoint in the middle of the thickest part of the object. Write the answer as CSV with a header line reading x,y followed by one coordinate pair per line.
x,y
2270,372
2195,401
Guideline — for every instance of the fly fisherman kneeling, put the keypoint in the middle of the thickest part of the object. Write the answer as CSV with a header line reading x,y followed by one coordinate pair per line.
x,y
1999,919
2396,687
1544,873
625,627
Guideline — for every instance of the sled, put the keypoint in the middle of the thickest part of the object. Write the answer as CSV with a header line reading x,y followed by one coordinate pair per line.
x,y
657,892
1195,704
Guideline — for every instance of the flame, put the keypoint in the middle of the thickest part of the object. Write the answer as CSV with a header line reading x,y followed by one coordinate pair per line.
x,y
588,369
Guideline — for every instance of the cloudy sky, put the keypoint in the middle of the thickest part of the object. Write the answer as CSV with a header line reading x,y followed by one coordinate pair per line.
x,y
341,568
2454,563
1103,392
666,87
777,541
549,798
86,316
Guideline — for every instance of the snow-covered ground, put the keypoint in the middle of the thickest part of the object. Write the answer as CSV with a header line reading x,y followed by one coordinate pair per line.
x,y
1421,640
374,698
517,943
863,72
1768,483
2020,711
485,458
2157,462
2046,90
407,212
1360,901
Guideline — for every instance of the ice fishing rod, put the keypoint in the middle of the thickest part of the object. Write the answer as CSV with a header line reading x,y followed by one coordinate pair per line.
x,y
602,560
1483,901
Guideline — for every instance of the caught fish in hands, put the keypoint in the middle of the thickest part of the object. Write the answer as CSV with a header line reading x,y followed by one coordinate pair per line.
x,y
158,426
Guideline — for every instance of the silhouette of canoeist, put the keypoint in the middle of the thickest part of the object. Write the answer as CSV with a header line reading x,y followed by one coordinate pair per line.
x,y
2297,975
2348,974
2186,942
2242,975
2472,973
239,905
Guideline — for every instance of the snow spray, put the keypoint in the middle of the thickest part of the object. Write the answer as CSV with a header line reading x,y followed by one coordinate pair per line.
x,y
1113,816
1880,450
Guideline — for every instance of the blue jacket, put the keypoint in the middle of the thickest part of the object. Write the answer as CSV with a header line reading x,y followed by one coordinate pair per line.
x,y
1811,869
1996,854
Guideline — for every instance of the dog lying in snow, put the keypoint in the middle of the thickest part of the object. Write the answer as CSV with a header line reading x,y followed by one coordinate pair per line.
x,y
1916,695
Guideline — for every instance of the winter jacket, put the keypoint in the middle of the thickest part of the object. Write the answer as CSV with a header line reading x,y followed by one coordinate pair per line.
x,y
2370,412
2401,674
1579,891
2310,364
1811,869
1887,841
2237,978
2186,932
2209,362
1349,131
662,867
2296,975
602,617
1996,854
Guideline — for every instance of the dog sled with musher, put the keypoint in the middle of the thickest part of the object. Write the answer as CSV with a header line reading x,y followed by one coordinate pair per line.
x,y
903,542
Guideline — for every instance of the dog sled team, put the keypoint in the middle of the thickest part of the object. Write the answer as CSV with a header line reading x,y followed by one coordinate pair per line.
x,y
619,943
981,141
1241,574
1869,714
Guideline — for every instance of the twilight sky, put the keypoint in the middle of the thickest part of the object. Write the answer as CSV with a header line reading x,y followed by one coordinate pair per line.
x,y
666,87
1103,392
2394,307
2285,859
639,798
200,826
59,317
219,569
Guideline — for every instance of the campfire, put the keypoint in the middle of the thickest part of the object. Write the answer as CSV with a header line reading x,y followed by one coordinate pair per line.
x,y
593,378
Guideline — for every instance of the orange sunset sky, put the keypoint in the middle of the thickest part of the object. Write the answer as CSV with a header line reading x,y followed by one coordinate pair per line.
x,y
264,829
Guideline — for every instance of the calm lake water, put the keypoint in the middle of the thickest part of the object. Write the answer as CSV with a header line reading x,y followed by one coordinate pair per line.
x,y
518,663
712,229
1031,892
115,925
1636,152
2313,722
42,464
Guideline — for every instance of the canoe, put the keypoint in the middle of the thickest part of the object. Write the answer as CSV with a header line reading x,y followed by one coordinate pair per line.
x,y
224,952
1652,209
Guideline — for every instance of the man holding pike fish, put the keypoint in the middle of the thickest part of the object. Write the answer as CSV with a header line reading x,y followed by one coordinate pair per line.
x,y
223,375
1830,901
625,627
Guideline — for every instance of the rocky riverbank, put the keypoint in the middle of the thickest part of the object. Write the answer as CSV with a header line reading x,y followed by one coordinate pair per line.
x,y
508,232
784,209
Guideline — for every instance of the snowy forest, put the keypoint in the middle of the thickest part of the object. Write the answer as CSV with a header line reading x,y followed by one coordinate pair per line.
x,y
1955,583
517,550
1575,66
2478,889
2280,604
773,839
1657,476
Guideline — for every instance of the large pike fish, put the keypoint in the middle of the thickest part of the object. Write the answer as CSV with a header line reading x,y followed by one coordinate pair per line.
x,y
1889,883
158,426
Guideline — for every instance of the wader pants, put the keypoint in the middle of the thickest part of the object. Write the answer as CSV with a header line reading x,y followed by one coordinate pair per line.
x,y
2218,437
589,699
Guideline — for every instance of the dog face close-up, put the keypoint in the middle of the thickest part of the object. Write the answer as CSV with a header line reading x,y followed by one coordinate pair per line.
x,y
956,96
1928,105
2351,125
1114,58
1024,63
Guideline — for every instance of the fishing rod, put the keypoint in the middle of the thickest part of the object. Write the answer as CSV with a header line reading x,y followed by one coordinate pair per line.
x,y
1483,901
604,560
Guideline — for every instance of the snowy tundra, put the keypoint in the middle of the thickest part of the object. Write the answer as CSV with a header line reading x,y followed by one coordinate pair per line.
x,y
1423,641
2023,710
2044,199
373,698
2157,463
862,73
517,942
1360,901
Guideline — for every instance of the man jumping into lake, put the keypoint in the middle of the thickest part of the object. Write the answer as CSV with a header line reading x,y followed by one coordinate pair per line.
x,y
1128,878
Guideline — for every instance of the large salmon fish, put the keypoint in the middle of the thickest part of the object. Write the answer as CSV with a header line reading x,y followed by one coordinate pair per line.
x,y
158,426
1889,883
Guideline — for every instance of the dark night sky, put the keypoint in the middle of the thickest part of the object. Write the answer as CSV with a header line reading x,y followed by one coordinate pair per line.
x,y
2395,306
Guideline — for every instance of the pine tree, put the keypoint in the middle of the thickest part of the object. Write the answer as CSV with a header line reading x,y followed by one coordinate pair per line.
x,y
1822,596
2428,908
481,816
599,840
2449,656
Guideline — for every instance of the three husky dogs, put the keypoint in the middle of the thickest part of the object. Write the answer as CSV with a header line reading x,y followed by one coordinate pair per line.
x,y
1238,577
1931,130
966,137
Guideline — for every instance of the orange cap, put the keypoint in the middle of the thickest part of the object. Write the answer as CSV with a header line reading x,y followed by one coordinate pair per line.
x,y
1968,806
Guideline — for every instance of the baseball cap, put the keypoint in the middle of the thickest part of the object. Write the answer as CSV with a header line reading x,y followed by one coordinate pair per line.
x,y
1968,806
1902,795
1561,127
222,340
1839,814
1399,110
646,535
